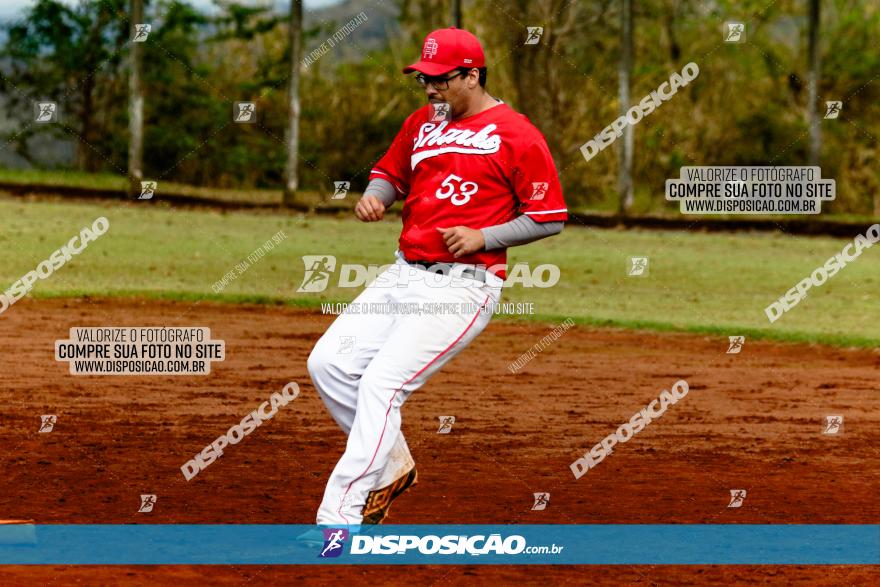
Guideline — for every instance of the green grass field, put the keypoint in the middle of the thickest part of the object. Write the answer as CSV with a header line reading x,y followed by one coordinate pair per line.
x,y
711,283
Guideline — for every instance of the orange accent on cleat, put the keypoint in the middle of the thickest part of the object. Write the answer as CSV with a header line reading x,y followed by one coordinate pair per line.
x,y
379,500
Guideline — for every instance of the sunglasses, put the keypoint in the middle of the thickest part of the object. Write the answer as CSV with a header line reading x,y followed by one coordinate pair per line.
x,y
438,83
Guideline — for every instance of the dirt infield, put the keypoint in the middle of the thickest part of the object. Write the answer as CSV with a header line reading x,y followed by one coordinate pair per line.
x,y
752,421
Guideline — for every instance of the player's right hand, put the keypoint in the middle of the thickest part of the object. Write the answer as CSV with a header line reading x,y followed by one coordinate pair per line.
x,y
369,209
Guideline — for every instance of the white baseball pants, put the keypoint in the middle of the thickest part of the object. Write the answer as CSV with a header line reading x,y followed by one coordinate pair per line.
x,y
370,360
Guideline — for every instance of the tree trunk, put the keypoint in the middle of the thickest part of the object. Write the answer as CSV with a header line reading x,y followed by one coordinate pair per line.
x,y
625,150
135,105
456,13
86,118
813,118
292,177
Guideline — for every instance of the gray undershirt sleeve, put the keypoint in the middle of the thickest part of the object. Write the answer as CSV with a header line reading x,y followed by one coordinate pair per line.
x,y
382,189
519,231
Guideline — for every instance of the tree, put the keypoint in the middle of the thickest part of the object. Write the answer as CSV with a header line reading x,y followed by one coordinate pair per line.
x,y
456,13
63,54
813,84
291,176
624,177
135,102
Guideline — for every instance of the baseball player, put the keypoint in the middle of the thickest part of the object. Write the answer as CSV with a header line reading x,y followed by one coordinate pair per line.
x,y
475,178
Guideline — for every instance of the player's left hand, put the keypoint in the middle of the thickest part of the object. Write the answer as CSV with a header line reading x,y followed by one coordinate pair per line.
x,y
461,240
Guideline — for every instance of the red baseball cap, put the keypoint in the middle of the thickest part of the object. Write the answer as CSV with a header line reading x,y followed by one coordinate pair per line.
x,y
446,49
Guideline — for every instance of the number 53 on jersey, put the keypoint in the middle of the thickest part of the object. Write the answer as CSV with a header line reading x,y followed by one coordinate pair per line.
x,y
457,189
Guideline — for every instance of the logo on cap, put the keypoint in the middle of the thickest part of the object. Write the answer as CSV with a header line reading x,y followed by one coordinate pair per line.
x,y
430,49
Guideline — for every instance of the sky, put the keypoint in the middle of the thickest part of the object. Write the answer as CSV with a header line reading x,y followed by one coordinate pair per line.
x,y
13,8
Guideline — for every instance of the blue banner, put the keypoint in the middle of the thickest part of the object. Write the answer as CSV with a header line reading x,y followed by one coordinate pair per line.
x,y
614,544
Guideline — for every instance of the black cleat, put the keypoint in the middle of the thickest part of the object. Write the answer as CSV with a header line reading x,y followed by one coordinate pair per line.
x,y
379,500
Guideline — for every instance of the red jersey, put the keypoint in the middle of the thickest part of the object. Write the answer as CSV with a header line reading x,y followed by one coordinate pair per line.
x,y
477,171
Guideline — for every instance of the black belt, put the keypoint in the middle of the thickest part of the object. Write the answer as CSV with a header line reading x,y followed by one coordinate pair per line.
x,y
477,273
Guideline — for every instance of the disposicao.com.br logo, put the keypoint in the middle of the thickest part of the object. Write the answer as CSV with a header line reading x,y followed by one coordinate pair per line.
x,y
319,269
334,542
451,544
